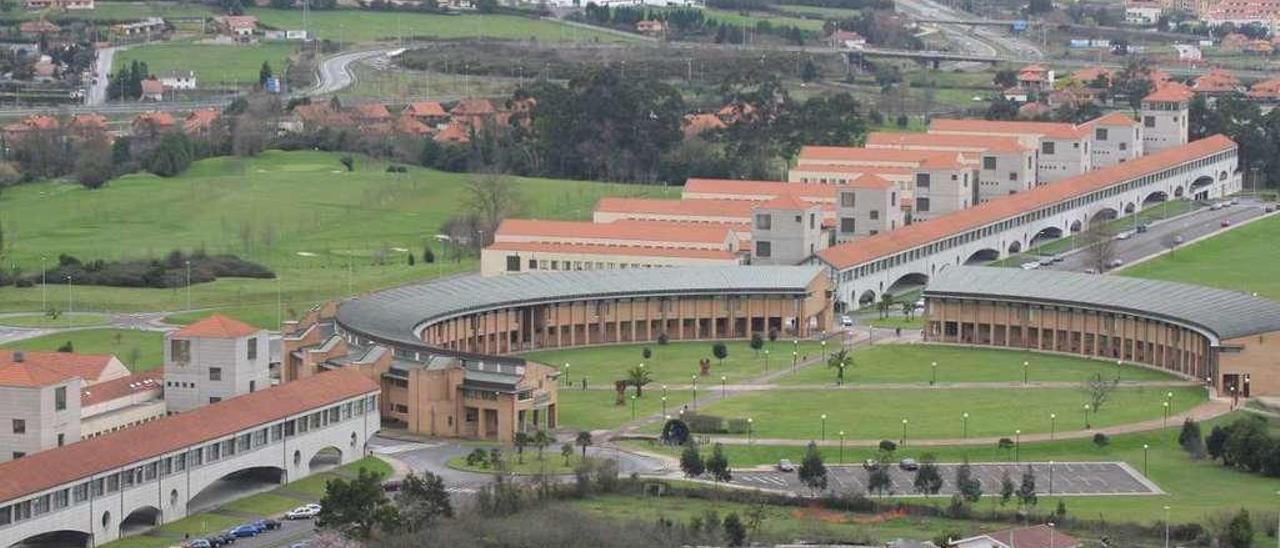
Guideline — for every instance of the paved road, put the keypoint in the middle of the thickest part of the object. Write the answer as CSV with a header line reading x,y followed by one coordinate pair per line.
x,y
1066,478
97,94
977,41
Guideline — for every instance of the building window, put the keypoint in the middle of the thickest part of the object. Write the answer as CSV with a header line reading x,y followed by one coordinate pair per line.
x,y
764,221
847,224
215,373
922,180
513,263
18,454
848,199
1124,146
533,264
1149,121
1100,134
19,426
874,214
62,439
253,349
1013,176
764,249
922,205
180,351
1046,147
214,399
253,385
988,162
60,398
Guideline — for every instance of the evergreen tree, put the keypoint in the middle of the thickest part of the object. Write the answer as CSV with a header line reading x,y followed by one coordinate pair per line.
x,y
813,473
718,465
1027,491
172,156
1191,440
1007,488
720,351
969,487
264,74
735,532
421,500
1240,530
878,480
356,506
690,461
928,480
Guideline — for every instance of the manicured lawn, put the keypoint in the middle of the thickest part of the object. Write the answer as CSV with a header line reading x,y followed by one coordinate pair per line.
x,y
1243,259
911,363
675,363
818,11
138,350
552,462
1196,489
321,229
595,409
64,320
868,414
266,316
1067,243
212,63
891,322
752,19
314,484
120,11
366,26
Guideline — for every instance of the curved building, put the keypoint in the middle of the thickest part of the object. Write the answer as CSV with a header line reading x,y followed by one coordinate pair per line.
x,y
442,350
1194,331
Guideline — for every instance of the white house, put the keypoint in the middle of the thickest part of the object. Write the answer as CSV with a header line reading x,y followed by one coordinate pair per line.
x,y
179,80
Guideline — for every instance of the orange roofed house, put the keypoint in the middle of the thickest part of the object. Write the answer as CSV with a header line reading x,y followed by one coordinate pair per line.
x,y
214,359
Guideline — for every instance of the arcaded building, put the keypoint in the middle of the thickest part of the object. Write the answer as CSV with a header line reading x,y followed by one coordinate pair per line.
x,y
1223,337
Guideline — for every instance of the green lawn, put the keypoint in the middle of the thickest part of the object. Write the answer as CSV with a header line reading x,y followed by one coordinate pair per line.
x,y
595,409
266,316
236,64
552,462
1067,243
366,26
63,320
818,11
139,350
868,414
1242,259
314,484
891,322
676,362
300,213
121,11
752,19
912,363
263,504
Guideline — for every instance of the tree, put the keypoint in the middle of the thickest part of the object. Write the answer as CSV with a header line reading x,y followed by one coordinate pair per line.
x,y
720,351
1007,488
757,342
718,465
520,440
1006,78
67,348
969,487
1099,246
478,457
840,361
1001,108
813,473
646,353
1040,6
886,304
93,161
348,162
566,451
928,480
541,439
809,71
172,156
1099,389
735,533
1216,443
887,447
421,500
878,480
1133,83
264,74
584,441
356,507
1190,439
491,197
1027,491
691,461
1240,530
1101,440
638,377
428,256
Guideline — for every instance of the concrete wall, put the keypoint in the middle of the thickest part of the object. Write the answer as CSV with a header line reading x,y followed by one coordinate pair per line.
x,y
1116,144
1164,125
493,262
189,385
792,235
948,190
1013,172
1069,157
873,211
35,405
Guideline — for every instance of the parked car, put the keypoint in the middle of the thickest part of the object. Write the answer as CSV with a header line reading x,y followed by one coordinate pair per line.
x,y
846,321
1143,228
1090,271
909,465
267,524
1115,263
1234,201
1216,206
246,530
197,543
301,512
920,304
785,465
1057,258
1046,261
314,505
1268,208
1177,239
1124,235
224,538
871,464
1225,223
1030,266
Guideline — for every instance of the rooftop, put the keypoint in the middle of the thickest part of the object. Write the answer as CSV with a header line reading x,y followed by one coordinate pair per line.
x,y
787,202
395,315
217,326
47,368
885,244
753,189
972,143
689,207
922,158
1113,119
1171,93
871,181
621,250
625,229
1221,313
123,386
80,460
1053,130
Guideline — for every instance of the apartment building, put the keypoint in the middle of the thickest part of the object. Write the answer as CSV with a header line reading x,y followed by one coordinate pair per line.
x,y
1063,150
1117,138
785,231
758,191
1004,165
1165,113
868,205
709,211
939,181
214,359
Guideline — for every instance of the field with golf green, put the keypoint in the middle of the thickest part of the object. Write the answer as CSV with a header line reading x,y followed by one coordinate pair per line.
x,y
674,363
137,350
233,64
324,231
1243,259
912,363
936,413
353,26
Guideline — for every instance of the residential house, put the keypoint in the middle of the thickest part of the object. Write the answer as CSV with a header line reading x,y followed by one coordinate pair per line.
x,y
1038,536
427,112
1035,78
201,122
1142,13
1216,82
151,26
844,39
408,125
1266,90
150,125
316,116
475,113
70,5
736,111
179,80
371,113
241,27
31,125
152,90
455,133
87,125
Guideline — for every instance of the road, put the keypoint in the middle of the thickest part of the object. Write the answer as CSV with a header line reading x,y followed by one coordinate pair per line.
x,y
982,41
97,94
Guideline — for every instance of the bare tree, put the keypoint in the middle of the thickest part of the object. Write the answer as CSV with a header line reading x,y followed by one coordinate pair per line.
x,y
1098,389
491,197
1099,246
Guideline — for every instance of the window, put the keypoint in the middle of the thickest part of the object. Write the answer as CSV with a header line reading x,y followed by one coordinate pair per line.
x,y
19,426
1149,121
253,385
533,264
848,199
875,214
922,180
1124,146
214,399
813,221
513,263
1100,134
922,205
180,351
988,162
847,224
1046,147
1013,176
253,349
60,398
62,439
764,221
215,373
764,249
18,454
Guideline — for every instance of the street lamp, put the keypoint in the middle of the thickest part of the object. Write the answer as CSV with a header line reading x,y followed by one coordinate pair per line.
x,y
904,432
1017,445
933,378
664,390
722,379
964,425
695,391
1053,422
1166,527
633,407
841,446
1118,364
69,307
824,349
188,262
44,289
566,374
1025,365
1086,416
795,356
1145,449
664,405
1165,421
766,360
750,422
1050,477
822,430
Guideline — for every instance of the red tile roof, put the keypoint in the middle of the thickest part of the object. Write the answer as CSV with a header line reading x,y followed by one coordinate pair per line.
x,y
1054,130
372,111
788,202
426,108
1038,536
45,368
200,120
409,125
1170,93
1089,74
696,124
453,133
1113,119
91,120
918,158
871,181
632,250
121,387
828,168
1266,89
160,119
152,86
217,326
474,107
1216,81
79,461
885,244
974,143
687,207
751,190
661,231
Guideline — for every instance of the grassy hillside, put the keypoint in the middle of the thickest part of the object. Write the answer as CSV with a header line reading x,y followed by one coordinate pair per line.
x,y
317,226
212,63
1243,259
349,26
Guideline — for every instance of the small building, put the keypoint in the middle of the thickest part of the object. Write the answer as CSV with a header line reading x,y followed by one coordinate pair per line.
x,y
151,26
1035,78
152,90
651,27
786,230
86,125
371,113
200,122
70,5
1037,536
408,125
241,27
845,39
1266,90
150,125
1188,52
454,134
427,112
38,27
1216,82
1142,13
214,359
30,125
179,80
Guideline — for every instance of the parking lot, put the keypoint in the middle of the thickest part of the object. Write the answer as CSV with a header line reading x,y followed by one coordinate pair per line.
x,y
1062,478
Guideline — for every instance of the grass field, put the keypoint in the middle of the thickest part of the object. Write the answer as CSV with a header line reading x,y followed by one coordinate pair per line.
x,y
1243,259
350,26
1067,243
138,350
868,415
212,63
673,363
321,229
911,363
891,322
552,462
752,19
595,409
64,320
120,11
817,11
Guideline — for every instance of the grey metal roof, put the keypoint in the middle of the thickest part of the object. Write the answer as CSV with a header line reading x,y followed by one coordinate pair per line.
x,y
394,315
1221,313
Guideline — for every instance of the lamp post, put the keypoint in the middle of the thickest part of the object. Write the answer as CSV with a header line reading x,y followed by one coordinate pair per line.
x,y
750,423
824,349
695,391
664,390
822,428
933,376
1145,449
566,374
1051,528
766,360
1050,477
795,356
1053,423
188,263
69,302
633,407
1166,527
1165,421
664,405
1086,416
904,432
44,291
964,425
1118,364
841,446
722,379
1025,366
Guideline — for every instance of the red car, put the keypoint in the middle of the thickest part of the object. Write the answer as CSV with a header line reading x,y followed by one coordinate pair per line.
x,y
1226,223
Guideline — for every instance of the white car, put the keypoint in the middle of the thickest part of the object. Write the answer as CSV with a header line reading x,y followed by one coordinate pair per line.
x,y
785,465
302,512
1124,235
846,321
1030,266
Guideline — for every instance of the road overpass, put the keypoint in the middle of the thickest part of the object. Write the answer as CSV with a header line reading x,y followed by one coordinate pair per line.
x,y
865,269
88,493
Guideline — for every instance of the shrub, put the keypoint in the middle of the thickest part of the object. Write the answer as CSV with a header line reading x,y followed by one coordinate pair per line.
x,y
705,424
1101,440
737,426
662,339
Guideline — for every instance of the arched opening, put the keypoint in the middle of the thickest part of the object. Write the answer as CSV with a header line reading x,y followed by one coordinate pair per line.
x,y
325,459
1154,198
868,297
140,520
1075,226
1103,215
1129,208
1200,188
983,256
240,483
1045,235
1015,248
56,539
908,282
